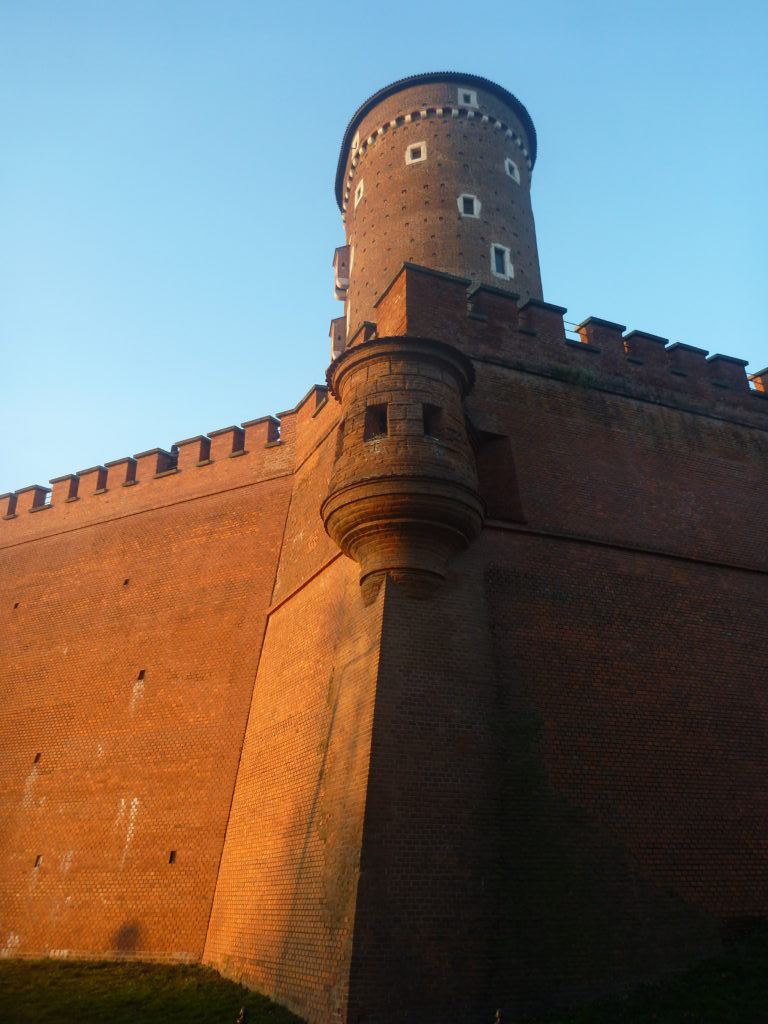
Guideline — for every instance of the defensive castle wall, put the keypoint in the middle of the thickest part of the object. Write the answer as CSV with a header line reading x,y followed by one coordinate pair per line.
x,y
488,324
563,747
133,607
442,691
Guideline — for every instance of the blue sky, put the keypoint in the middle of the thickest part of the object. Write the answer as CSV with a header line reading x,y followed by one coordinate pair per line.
x,y
167,219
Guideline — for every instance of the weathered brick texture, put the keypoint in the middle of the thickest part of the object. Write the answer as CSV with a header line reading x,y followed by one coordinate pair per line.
x,y
539,779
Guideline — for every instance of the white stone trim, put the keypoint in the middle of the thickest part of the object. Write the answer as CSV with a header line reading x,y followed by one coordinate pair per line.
x,y
466,97
417,115
422,152
359,192
509,270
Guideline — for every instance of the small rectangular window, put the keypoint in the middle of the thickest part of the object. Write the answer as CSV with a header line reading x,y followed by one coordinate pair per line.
x,y
38,860
142,673
467,98
469,205
416,152
359,192
172,857
501,262
512,169
433,421
37,758
375,422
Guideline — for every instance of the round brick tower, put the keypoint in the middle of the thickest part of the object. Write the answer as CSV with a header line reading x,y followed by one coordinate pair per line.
x,y
436,170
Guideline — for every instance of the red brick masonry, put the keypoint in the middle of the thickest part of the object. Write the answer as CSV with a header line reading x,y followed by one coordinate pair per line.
x,y
544,781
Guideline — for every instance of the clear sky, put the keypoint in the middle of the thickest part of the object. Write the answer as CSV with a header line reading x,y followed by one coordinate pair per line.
x,y
167,219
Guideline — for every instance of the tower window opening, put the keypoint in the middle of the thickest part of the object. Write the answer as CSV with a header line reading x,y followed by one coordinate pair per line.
x,y
142,673
172,857
433,421
38,860
512,170
359,192
416,152
37,758
375,422
467,98
469,206
501,262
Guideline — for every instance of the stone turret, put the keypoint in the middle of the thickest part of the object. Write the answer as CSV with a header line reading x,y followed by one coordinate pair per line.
x,y
403,495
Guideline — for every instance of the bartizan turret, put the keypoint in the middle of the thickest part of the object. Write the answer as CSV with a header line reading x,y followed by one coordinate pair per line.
x,y
403,496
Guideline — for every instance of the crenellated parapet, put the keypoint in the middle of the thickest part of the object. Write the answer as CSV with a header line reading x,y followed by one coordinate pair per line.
x,y
491,324
256,449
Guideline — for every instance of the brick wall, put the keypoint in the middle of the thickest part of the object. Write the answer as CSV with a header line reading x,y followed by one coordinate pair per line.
x,y
544,782
129,652
285,901
634,766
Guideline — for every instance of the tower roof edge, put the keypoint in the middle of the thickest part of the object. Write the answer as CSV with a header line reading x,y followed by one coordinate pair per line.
x,y
430,76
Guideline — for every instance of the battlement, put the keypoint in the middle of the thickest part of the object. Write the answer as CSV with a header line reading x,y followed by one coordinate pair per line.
x,y
491,324
274,442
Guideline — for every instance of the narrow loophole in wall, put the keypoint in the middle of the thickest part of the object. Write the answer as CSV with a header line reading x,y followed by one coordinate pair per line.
x,y
37,758
339,440
497,478
433,421
126,582
172,857
375,422
38,860
142,673
15,605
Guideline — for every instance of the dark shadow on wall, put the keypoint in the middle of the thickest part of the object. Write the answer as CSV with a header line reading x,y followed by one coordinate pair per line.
x,y
329,854
126,939
578,918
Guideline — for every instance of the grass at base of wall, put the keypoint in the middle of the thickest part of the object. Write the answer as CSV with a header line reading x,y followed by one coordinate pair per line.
x,y
730,989
68,992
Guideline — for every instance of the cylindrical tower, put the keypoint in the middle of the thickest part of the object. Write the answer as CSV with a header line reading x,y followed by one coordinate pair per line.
x,y
436,170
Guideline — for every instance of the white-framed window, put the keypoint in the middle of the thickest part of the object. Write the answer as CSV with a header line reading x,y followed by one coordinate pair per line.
x,y
359,191
512,169
501,262
416,152
469,205
356,142
467,97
